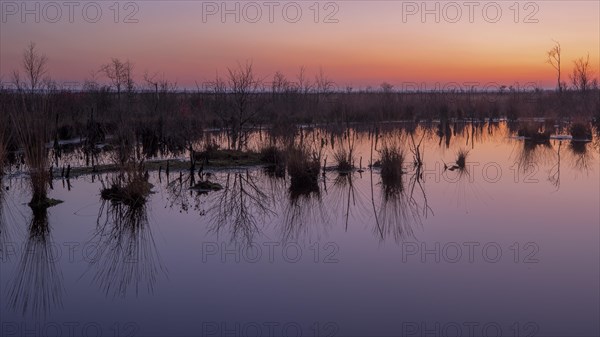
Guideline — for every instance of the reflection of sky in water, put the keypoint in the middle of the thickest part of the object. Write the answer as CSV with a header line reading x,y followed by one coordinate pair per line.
x,y
380,281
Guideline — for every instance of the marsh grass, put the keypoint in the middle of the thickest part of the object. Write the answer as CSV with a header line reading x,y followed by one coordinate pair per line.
x,y
461,158
343,155
130,188
275,160
31,128
303,166
533,133
343,160
392,160
581,131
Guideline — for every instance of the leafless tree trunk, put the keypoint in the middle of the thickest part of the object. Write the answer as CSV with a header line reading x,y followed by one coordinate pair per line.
x,y
35,66
244,85
120,75
554,60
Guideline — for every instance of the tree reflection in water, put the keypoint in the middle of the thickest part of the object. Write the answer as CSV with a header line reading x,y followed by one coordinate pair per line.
x,y
240,207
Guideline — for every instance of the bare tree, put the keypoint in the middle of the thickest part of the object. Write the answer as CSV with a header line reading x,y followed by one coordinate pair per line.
x,y
303,84
35,67
120,74
581,78
30,118
323,84
554,60
160,86
386,88
244,86
280,83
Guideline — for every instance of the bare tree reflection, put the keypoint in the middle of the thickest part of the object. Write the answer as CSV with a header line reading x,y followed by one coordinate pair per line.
x,y
240,207
554,175
180,195
127,257
37,287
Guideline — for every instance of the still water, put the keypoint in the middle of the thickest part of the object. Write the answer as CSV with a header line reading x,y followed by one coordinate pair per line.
x,y
509,246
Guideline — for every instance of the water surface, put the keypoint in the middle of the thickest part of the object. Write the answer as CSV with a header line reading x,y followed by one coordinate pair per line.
x,y
508,246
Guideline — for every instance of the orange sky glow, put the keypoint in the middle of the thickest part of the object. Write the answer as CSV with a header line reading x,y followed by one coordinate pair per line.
x,y
356,43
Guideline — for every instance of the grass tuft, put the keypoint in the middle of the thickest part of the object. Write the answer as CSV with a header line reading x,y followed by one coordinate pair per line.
x,y
581,131
392,159
461,158
130,189
303,167
343,159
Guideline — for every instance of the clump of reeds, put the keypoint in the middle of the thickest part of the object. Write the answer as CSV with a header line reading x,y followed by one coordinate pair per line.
x,y
210,150
392,159
533,133
343,159
303,167
31,130
461,158
275,159
130,185
581,131
131,188
272,155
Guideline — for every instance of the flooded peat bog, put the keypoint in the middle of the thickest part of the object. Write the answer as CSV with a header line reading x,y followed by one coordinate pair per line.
x,y
441,228
299,168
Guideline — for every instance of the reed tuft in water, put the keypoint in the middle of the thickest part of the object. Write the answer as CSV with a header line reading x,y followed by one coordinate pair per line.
x,y
392,159
303,166
581,131
461,158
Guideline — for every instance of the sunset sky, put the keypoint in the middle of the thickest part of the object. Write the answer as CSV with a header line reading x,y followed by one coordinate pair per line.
x,y
372,41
